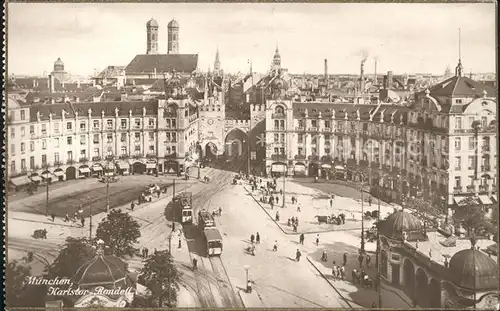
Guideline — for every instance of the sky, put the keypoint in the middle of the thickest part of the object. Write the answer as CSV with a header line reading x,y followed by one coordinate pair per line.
x,y
404,38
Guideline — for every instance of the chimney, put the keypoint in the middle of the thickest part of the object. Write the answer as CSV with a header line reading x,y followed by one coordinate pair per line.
x,y
326,73
93,82
34,83
78,83
362,78
389,79
51,84
375,82
386,84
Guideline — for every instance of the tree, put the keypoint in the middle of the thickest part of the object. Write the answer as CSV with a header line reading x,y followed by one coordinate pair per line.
x,y
469,214
161,277
119,231
75,252
422,206
18,292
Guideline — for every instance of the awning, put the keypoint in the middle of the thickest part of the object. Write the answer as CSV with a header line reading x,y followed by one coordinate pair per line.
x,y
36,178
47,175
58,173
97,168
278,168
124,165
150,165
326,166
494,197
339,167
20,181
299,167
84,170
485,199
459,199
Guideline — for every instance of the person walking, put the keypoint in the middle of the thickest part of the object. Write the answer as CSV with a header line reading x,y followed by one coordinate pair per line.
x,y
275,246
220,211
317,239
83,222
297,255
301,239
368,260
180,243
257,238
370,201
195,264
298,208
345,258
146,252
132,205
53,216
252,238
360,260
66,218
277,200
331,203
342,272
334,271
277,216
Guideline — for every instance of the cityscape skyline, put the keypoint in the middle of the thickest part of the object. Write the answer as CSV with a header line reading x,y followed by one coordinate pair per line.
x,y
255,31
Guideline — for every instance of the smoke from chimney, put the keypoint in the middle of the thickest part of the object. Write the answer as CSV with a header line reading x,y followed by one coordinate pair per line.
x,y
362,78
326,73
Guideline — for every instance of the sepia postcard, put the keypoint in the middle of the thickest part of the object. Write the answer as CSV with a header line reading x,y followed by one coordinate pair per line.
x,y
251,155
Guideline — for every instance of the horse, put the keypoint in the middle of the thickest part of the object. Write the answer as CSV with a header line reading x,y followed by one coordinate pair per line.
x,y
40,234
322,219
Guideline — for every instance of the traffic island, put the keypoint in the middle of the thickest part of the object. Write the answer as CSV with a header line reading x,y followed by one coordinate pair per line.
x,y
251,299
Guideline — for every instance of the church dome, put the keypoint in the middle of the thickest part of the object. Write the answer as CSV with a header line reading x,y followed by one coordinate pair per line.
x,y
58,65
173,24
152,23
397,222
463,264
103,271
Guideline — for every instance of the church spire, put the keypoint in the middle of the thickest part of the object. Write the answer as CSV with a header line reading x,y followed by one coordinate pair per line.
x,y
217,63
276,63
459,69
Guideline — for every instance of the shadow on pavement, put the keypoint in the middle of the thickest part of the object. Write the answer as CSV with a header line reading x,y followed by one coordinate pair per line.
x,y
195,240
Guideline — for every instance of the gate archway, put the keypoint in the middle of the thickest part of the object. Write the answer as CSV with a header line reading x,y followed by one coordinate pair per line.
x,y
409,278
235,143
138,168
70,173
211,151
313,169
421,288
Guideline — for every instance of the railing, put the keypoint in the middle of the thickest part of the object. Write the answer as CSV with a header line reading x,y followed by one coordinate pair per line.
x,y
278,115
326,129
485,168
300,157
457,190
278,128
57,163
470,188
299,128
96,158
278,157
70,161
123,127
485,148
123,156
137,156
484,188
110,157
313,158
151,155
171,155
312,129
83,159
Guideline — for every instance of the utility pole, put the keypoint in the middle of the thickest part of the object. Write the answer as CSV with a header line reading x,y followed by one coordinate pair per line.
x,y
379,251
173,189
90,231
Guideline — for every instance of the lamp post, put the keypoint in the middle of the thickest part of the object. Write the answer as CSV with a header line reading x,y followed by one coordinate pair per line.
x,y
378,258
247,142
47,183
247,267
361,181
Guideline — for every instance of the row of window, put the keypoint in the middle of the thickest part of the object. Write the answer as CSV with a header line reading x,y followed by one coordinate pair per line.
x,y
458,182
459,125
471,160
171,123
473,143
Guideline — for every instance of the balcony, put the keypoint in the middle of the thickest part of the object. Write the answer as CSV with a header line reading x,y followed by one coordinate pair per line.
x,y
471,188
278,129
123,127
83,160
485,168
312,129
123,156
137,156
97,158
58,163
110,157
300,157
326,129
278,116
171,155
363,163
485,148
300,128
457,190
151,155
313,158
70,161
278,157
375,164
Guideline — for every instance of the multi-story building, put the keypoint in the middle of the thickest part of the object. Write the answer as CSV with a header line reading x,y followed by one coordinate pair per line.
x,y
441,143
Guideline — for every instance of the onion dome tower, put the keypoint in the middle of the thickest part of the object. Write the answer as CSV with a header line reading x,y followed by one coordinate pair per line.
x,y
474,270
58,65
173,37
152,36
276,64
397,224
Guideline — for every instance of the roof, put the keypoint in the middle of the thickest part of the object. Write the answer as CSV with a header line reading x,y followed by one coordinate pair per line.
x,y
474,269
148,63
152,23
173,24
58,62
212,234
461,86
394,225
101,270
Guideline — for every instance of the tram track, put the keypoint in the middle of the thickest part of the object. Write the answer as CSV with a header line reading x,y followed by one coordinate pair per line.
x,y
226,289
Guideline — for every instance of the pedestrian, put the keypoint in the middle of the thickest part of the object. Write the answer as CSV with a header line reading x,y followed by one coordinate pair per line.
x,y
195,264
156,251
293,220
298,208
275,246
272,204
252,238
301,239
277,200
360,260
66,218
342,272
294,227
297,255
374,305
257,238
370,201
53,217
345,258
368,260
331,203
132,205
289,222
354,276
324,256
297,221
83,222
277,216
213,214
317,239
334,270
146,252
180,245
158,193
220,211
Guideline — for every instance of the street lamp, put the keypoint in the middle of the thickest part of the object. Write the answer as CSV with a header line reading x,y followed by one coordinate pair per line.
x,y
247,142
361,181
378,258
247,267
